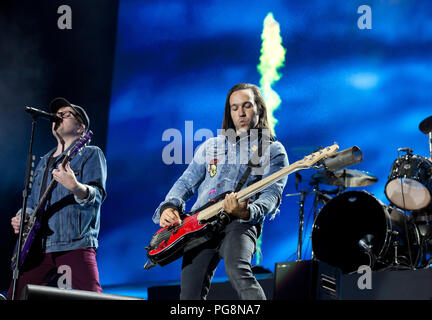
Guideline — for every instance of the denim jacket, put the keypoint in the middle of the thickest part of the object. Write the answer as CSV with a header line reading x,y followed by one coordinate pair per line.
x,y
211,174
72,223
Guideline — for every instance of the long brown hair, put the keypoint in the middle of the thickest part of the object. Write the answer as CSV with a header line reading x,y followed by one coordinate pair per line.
x,y
228,123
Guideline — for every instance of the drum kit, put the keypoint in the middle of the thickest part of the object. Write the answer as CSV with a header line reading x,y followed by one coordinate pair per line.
x,y
354,228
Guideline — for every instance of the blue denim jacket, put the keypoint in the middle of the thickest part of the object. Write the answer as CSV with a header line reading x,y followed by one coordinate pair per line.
x,y
72,223
211,178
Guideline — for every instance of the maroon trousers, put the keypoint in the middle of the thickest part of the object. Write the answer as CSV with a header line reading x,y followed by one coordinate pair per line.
x,y
81,263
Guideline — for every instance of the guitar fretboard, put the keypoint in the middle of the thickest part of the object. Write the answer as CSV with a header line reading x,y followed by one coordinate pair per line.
x,y
251,190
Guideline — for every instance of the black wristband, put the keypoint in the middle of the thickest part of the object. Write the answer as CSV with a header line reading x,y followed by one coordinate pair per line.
x,y
169,205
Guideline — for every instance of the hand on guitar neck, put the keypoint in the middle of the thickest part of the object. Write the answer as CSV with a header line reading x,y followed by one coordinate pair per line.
x,y
66,177
238,209
15,222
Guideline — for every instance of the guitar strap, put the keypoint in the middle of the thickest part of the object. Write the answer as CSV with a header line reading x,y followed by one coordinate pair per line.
x,y
250,165
51,164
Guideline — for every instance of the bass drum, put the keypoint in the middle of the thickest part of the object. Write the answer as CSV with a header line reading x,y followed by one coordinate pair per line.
x,y
357,215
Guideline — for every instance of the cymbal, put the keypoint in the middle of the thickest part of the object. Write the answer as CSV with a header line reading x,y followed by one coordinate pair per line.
x,y
345,178
426,125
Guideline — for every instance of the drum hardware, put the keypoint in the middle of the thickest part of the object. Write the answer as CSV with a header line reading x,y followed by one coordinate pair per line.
x,y
354,228
426,127
422,219
409,265
423,222
396,261
301,222
409,186
396,264
320,196
334,174
408,183
366,244
338,161
302,194
345,178
407,150
342,159
409,242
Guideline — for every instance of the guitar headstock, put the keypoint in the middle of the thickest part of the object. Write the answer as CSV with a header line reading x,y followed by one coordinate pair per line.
x,y
313,158
80,143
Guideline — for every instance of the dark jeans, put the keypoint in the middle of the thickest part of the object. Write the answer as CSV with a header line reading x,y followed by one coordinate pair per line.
x,y
82,263
236,245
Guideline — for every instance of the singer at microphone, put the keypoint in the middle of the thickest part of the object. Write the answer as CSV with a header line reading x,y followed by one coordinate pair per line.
x,y
67,192
43,114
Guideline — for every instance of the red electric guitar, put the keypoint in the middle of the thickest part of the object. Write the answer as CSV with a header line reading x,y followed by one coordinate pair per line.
x,y
170,243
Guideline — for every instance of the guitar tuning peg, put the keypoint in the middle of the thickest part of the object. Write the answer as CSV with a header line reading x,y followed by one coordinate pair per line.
x,y
30,185
33,157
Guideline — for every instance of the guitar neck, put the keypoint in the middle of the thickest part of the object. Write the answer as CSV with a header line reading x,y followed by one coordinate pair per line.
x,y
49,188
305,163
252,189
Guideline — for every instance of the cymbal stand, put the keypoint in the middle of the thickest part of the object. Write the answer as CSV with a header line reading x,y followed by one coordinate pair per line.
x,y
315,210
430,143
301,203
320,196
301,222
344,177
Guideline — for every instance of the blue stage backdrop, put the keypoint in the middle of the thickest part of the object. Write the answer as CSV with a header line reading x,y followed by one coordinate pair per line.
x,y
175,62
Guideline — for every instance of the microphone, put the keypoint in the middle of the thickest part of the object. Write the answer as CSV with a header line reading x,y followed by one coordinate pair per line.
x,y
366,242
43,114
343,159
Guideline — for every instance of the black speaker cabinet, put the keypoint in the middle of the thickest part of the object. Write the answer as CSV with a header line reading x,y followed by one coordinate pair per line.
x,y
34,292
314,280
306,280
389,285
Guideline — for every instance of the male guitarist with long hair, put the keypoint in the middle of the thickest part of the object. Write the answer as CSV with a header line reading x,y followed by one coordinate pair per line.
x,y
220,165
70,216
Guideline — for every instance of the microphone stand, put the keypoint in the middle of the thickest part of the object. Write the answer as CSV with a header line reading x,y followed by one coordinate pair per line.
x,y
302,195
26,191
430,144
301,221
317,192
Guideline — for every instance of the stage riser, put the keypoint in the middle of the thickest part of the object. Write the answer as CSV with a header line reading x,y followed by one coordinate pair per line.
x,y
313,280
